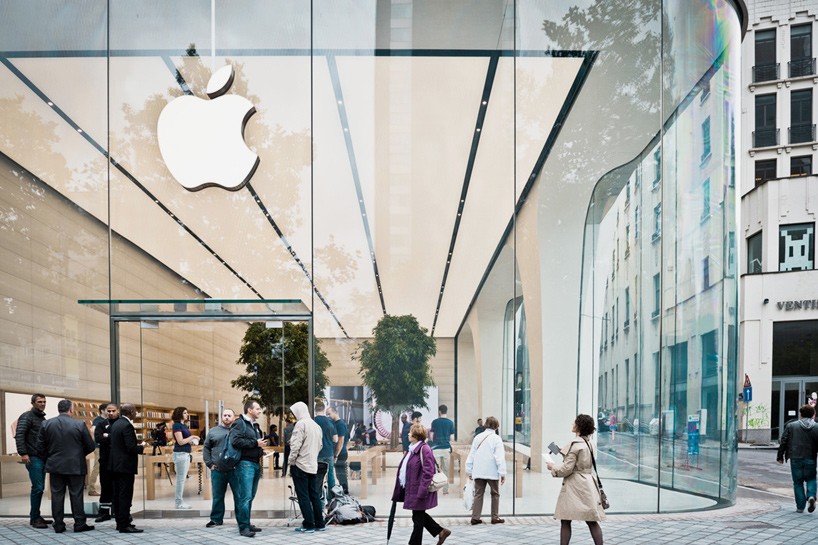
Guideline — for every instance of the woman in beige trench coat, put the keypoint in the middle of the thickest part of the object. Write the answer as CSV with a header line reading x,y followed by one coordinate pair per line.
x,y
579,497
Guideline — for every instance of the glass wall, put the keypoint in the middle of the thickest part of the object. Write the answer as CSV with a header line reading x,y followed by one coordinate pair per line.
x,y
545,189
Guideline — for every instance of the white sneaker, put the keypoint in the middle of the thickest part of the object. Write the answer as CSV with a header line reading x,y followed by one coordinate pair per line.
x,y
182,506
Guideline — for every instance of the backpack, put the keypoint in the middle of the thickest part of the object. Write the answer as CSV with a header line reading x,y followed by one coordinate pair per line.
x,y
229,457
344,509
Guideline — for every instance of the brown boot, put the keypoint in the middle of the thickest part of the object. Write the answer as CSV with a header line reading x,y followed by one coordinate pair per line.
x,y
497,520
441,537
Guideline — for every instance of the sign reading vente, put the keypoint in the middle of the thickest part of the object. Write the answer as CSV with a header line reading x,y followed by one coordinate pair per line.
x,y
802,304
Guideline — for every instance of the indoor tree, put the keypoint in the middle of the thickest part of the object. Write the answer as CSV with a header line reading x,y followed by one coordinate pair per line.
x,y
395,366
261,356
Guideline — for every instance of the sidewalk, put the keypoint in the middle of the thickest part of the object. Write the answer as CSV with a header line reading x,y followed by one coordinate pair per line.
x,y
750,521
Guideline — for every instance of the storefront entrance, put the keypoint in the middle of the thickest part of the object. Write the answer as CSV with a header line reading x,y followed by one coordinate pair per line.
x,y
788,394
171,353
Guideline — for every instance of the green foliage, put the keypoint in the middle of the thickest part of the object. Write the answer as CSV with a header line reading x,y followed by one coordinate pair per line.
x,y
260,354
395,363
757,415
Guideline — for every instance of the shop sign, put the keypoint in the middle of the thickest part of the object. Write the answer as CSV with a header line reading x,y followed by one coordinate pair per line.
x,y
801,304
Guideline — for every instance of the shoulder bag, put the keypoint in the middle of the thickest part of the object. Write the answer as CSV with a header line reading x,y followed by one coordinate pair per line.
x,y
602,496
439,479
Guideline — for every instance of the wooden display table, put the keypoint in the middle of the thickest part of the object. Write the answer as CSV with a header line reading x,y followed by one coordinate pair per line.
x,y
162,459
462,454
364,457
15,459
268,461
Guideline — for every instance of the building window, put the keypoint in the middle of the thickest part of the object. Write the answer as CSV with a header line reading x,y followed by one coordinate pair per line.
x,y
705,273
706,140
801,63
657,296
766,170
801,126
626,324
705,200
636,223
801,165
627,241
657,168
796,247
710,354
766,133
754,254
657,222
765,69
628,193
705,87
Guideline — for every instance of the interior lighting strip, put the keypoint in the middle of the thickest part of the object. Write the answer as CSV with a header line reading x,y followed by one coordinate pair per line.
x,y
353,165
464,191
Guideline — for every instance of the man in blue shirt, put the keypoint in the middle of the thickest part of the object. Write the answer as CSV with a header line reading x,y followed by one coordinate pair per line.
x,y
330,438
442,434
341,455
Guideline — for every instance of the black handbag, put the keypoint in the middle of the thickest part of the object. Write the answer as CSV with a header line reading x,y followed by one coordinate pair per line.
x,y
603,497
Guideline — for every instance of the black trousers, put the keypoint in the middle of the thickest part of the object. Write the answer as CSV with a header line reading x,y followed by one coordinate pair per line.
x,y
421,520
308,490
76,487
286,460
106,486
122,498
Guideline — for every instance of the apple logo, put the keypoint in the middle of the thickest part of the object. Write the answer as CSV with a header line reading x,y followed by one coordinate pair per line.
x,y
202,141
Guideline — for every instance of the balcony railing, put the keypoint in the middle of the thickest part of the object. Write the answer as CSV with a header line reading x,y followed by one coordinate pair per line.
x,y
766,72
801,67
765,137
803,132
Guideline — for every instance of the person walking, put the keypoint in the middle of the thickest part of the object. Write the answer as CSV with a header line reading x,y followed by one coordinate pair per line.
x,y
124,465
579,497
799,445
486,465
307,472
329,440
25,436
214,444
102,437
341,454
182,452
442,433
95,470
65,442
247,436
412,482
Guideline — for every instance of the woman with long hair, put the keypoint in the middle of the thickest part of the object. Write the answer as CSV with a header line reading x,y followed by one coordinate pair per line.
x,y
183,440
579,497
412,487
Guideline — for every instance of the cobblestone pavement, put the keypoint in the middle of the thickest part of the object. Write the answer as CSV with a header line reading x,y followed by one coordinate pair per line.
x,y
750,521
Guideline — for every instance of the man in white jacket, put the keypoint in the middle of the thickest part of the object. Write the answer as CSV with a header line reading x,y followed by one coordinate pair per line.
x,y
486,464
307,472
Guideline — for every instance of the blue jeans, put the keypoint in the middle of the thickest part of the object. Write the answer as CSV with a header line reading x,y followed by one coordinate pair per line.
x,y
330,477
803,471
36,474
247,475
308,491
218,485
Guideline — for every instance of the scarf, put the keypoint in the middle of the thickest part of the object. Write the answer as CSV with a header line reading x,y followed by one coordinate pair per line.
x,y
402,474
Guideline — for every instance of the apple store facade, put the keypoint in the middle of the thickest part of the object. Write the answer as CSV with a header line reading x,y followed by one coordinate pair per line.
x,y
548,188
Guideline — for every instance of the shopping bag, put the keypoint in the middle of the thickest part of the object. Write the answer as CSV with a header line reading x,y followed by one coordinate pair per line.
x,y
468,495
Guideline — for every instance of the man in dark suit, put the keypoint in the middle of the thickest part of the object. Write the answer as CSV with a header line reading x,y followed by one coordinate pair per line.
x,y
65,442
102,438
124,463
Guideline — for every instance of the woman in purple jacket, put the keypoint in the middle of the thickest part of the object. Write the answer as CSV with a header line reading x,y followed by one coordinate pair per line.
x,y
412,487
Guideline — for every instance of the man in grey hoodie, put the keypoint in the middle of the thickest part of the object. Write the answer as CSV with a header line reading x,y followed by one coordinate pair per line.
x,y
307,472
799,444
